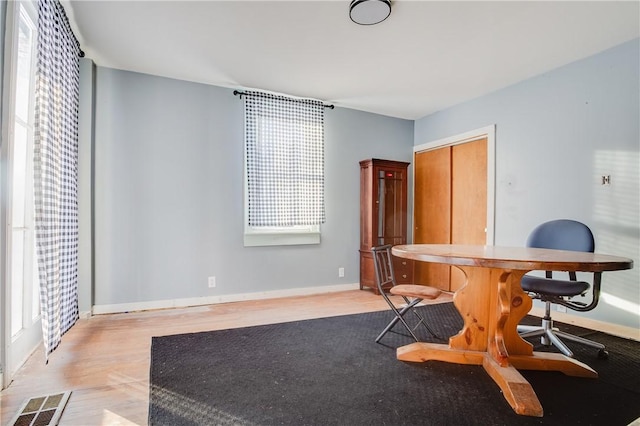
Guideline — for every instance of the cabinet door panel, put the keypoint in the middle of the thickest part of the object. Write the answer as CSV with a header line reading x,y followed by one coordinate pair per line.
x,y
392,211
366,200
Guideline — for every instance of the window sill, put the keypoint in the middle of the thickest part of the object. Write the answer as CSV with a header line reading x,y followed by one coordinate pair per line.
x,y
281,239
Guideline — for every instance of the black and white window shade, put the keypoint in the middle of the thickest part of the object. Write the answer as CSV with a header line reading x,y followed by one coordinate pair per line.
x,y
56,171
285,160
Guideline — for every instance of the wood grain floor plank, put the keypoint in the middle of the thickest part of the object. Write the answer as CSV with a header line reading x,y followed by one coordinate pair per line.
x,y
105,359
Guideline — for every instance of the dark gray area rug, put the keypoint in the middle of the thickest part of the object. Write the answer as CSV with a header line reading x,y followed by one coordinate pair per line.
x,y
329,371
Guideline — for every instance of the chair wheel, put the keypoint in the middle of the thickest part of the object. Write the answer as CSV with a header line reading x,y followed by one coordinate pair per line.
x,y
603,354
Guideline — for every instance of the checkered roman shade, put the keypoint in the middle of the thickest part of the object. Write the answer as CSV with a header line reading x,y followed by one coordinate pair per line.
x,y
285,160
56,171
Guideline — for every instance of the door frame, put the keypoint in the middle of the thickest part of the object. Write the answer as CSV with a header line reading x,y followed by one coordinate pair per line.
x,y
14,349
488,132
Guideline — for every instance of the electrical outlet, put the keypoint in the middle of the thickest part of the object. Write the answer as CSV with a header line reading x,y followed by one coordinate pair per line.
x,y
561,308
340,272
212,282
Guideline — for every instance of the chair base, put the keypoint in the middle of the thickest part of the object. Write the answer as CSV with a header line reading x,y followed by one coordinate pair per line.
x,y
399,316
551,336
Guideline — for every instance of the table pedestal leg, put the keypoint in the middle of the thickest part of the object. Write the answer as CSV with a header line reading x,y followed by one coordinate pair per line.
x,y
515,388
491,304
545,361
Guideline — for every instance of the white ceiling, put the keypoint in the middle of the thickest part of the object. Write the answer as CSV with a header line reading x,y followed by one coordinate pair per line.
x,y
425,57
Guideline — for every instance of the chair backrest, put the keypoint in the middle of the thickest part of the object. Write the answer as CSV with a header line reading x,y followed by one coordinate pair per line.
x,y
383,265
562,234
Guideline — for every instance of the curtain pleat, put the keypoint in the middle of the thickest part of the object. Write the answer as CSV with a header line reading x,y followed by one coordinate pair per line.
x,y
56,171
285,160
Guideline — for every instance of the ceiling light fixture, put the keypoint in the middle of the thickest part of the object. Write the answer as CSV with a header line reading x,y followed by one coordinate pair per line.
x,y
369,12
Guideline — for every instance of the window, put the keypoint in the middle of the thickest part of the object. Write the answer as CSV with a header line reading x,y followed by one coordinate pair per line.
x,y
23,279
284,164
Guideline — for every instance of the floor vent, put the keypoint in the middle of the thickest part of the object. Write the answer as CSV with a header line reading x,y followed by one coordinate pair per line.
x,y
41,411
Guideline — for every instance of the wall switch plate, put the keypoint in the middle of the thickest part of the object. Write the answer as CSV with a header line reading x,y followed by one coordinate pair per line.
x,y
212,282
340,272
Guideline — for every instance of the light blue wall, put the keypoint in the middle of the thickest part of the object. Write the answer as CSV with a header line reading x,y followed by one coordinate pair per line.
x,y
168,179
169,193
556,135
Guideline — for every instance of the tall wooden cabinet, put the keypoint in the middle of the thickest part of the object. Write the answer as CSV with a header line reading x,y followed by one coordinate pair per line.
x,y
383,216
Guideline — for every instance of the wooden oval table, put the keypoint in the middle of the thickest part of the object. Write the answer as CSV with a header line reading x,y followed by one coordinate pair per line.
x,y
492,303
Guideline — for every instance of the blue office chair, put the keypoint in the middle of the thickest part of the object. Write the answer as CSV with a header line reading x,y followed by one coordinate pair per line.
x,y
571,235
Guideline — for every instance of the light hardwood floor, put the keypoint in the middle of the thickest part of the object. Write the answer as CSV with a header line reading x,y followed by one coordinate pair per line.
x,y
104,360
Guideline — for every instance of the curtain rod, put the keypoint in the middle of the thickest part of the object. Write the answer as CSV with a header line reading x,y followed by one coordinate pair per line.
x,y
239,93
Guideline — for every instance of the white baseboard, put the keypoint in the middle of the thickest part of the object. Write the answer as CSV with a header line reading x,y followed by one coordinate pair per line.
x,y
606,327
211,300
614,329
